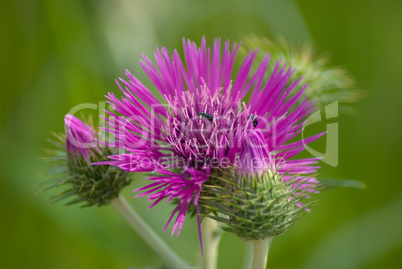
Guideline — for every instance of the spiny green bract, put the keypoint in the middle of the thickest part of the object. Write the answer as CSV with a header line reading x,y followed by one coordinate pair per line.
x,y
254,207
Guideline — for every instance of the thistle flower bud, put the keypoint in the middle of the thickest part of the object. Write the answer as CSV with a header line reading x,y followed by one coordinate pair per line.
x,y
253,200
327,84
92,184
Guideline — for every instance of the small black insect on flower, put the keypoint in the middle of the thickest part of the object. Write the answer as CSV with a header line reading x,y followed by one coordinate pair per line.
x,y
254,118
206,116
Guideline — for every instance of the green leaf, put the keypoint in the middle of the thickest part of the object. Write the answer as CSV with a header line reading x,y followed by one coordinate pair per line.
x,y
344,183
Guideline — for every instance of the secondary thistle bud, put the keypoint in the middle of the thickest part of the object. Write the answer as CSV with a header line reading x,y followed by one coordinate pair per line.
x,y
92,184
254,201
327,84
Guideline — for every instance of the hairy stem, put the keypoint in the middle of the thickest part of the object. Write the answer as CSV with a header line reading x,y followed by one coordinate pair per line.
x,y
260,254
146,232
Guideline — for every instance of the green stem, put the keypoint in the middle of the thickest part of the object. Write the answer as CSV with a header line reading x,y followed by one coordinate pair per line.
x,y
149,236
260,254
211,238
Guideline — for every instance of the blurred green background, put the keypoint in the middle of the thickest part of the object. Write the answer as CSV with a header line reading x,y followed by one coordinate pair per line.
x,y
57,54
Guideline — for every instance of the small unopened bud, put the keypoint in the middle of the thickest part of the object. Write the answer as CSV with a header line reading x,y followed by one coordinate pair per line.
x,y
92,184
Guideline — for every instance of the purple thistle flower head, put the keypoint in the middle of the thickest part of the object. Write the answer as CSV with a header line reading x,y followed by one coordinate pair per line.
x,y
205,125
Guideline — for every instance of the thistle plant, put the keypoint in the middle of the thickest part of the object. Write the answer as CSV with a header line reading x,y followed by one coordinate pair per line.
x,y
220,146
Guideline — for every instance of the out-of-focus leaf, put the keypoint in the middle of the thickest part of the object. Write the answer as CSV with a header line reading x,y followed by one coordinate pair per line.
x,y
344,183
360,241
149,267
